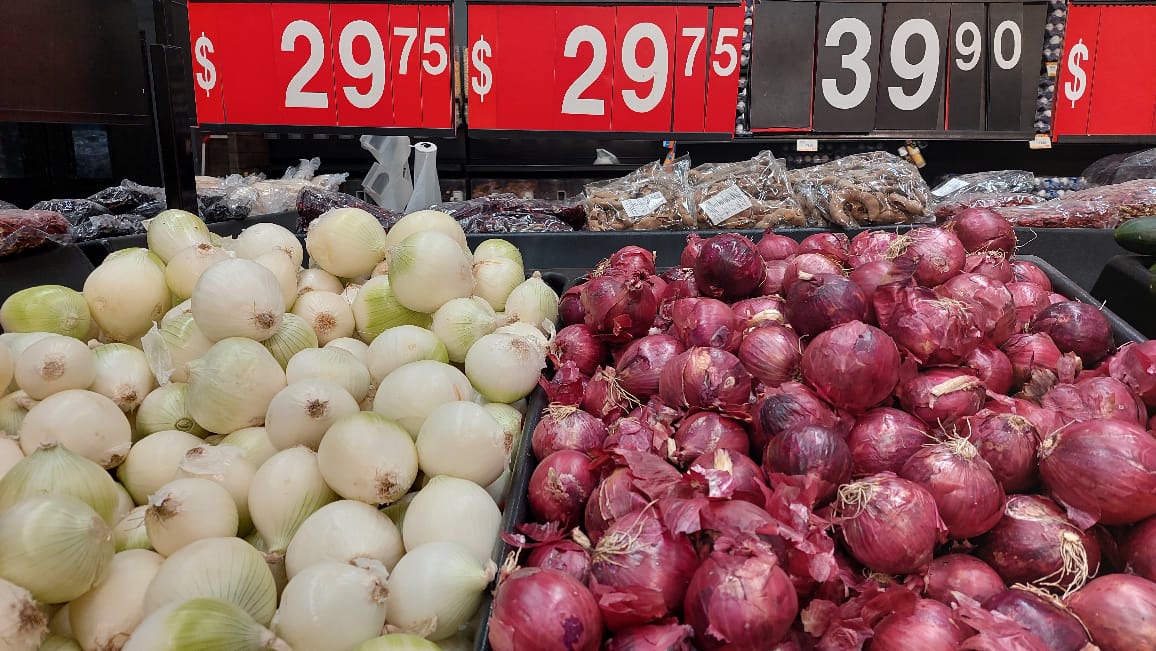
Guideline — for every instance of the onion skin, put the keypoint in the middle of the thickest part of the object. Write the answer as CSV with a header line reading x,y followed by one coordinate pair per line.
x,y
640,364
1107,397
991,264
776,271
891,525
942,396
824,301
564,556
1104,470
812,451
1135,365
853,366
567,429
669,636
989,364
1078,328
704,322
1030,272
750,485
619,307
1138,548
570,309
964,574
691,250
633,259
787,406
705,378
1059,629
1025,546
930,626
605,397
833,245
870,246
967,495
806,265
937,253
934,330
759,311
872,275
729,267
679,284
1119,610
614,497
704,432
991,305
771,354
883,439
1029,299
1029,353
538,609
578,343
983,229
1008,443
560,486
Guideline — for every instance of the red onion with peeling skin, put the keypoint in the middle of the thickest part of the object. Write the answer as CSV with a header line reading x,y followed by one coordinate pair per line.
x,y
1096,398
1035,542
704,378
658,288
1077,328
991,366
810,450
983,229
1030,272
771,354
1008,443
565,556
760,311
870,246
619,307
679,284
872,275
634,433
990,304
776,247
740,600
668,635
605,398
1054,298
633,259
570,309
642,361
1031,352
991,264
967,495
883,439
853,366
703,433
935,330
578,343
567,387
1135,365
773,283
735,519
614,497
833,245
930,626
729,267
937,253
1045,421
1119,611
942,396
787,406
961,573
750,483
824,301
806,265
1138,549
691,250
560,486
1104,469
889,524
566,428
705,322
537,609
1050,621
1029,300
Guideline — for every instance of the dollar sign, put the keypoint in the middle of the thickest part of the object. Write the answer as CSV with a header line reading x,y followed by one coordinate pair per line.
x,y
207,79
484,81
1074,89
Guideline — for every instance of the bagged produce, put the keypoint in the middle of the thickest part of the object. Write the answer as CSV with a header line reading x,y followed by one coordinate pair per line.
x,y
863,190
24,230
74,210
314,202
754,193
653,197
1001,182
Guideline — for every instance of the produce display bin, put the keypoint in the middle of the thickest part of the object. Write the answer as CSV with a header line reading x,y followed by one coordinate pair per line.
x,y
54,265
97,250
1124,286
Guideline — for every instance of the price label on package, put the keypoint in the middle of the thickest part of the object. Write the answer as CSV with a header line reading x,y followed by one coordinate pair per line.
x,y
643,206
725,204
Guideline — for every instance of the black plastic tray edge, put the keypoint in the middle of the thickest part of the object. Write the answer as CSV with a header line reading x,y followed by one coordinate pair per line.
x,y
1122,332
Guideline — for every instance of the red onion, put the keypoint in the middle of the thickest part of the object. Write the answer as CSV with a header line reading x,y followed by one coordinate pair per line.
x,y
993,631
740,600
784,407
1029,353
1008,443
566,428
568,387
729,267
1054,298
937,253
1094,398
889,524
870,246
691,251
704,322
1044,420
983,229
578,343
1077,328
633,259
570,309
961,573
668,635
618,306
613,498
1135,365
1048,620
833,245
942,396
967,495
705,378
824,301
771,354
814,451
1034,542
635,433
776,247
640,570
759,311
930,626
679,284
1103,469
734,519
750,485
853,366
871,275
991,264
706,431
1138,549
538,609
1030,272
1029,299
935,330
806,265
605,398
1119,611
989,302
658,288
990,365
773,283
560,487
883,439
564,556
642,361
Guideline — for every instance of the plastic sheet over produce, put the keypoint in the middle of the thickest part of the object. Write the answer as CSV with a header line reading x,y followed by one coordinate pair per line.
x,y
869,189
314,202
754,193
1103,206
508,213
653,197
24,230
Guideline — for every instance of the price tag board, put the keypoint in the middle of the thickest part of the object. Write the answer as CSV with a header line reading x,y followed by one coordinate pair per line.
x,y
967,68
1073,86
847,66
625,69
323,64
1124,84
911,79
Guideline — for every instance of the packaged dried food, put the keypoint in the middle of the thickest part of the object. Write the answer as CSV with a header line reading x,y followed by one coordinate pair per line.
x,y
1001,182
754,193
4,205
1118,168
863,190
514,222
1133,198
120,199
949,208
101,226
653,197
24,230
314,202
1063,213
571,211
74,210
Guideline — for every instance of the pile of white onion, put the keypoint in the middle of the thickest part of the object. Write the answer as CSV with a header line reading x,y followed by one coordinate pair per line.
x,y
211,446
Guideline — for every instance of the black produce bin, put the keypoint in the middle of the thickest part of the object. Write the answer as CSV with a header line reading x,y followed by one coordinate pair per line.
x,y
98,250
51,265
1125,287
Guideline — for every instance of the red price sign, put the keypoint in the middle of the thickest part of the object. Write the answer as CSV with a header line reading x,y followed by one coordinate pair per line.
x,y
626,69
341,65
1073,86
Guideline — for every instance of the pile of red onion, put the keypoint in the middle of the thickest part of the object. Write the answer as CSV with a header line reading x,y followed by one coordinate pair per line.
x,y
892,441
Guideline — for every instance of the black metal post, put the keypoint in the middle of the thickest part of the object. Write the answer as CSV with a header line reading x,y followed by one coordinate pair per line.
x,y
174,107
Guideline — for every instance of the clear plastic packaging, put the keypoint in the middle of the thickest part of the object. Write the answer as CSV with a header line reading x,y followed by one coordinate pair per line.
x,y
653,197
514,222
945,210
1119,168
101,226
314,202
1063,213
1133,198
4,205
569,211
1000,182
754,193
74,210
875,188
24,230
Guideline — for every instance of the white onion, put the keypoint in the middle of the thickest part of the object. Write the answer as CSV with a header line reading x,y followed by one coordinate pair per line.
x,y
285,272
376,309
22,622
317,280
332,607
301,412
238,298
54,364
495,248
60,624
461,322
232,385
127,293
253,442
186,267
153,462
421,221
346,242
435,589
292,337
286,490
511,421
55,470
332,364
173,231
229,569
124,502
189,509
329,315
344,531
10,454
454,510
202,624
122,374
55,642
367,457
170,347
541,335
499,489
400,642
130,533
461,439
225,465
505,367
401,345
533,301
46,308
495,278
411,392
264,237
55,546
351,290
166,408
184,307
427,269
85,422
355,347
104,617
13,408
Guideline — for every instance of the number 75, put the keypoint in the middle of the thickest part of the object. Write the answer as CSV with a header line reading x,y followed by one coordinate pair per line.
x,y
721,48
